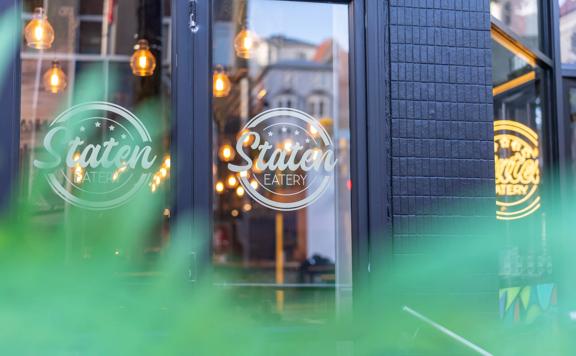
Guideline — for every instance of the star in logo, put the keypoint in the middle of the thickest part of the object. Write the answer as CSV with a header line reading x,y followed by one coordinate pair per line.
x,y
123,136
111,128
82,129
97,124
270,133
296,132
284,129
307,140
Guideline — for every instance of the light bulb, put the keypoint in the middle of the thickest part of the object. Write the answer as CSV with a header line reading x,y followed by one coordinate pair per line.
x,y
221,85
55,79
245,43
254,184
143,62
240,192
219,187
313,130
226,153
247,140
248,42
38,32
232,182
78,173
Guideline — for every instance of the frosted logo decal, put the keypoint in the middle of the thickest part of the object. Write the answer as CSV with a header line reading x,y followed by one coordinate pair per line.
x,y
285,159
97,155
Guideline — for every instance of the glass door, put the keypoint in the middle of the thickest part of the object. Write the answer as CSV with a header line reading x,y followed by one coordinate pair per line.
x,y
95,130
280,154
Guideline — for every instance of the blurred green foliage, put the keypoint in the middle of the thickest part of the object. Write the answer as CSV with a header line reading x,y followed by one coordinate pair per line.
x,y
57,300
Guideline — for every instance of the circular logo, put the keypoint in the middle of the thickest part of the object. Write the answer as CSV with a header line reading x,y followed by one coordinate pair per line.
x,y
97,155
285,159
517,166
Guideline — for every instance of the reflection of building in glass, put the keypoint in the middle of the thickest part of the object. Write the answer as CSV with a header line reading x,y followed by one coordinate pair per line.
x,y
294,74
520,16
283,71
568,31
298,84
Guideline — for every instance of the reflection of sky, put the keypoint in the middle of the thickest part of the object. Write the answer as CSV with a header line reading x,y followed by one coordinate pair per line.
x,y
310,22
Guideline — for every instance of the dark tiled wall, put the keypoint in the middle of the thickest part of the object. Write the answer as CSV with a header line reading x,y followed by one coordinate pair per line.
x,y
442,133
442,151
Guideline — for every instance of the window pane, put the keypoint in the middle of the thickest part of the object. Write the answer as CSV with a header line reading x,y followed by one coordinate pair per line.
x,y
88,61
521,17
568,31
276,65
90,41
520,123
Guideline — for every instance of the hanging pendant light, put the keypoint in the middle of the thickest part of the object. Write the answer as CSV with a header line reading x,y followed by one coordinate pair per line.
x,y
39,33
143,61
55,79
245,43
226,153
221,85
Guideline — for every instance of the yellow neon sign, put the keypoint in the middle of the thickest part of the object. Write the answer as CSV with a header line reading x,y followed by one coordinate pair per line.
x,y
517,169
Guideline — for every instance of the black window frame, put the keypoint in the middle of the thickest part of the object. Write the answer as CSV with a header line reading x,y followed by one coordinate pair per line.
x,y
369,125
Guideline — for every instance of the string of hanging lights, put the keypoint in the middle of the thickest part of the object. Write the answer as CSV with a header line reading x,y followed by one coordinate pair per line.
x,y
162,174
245,44
39,34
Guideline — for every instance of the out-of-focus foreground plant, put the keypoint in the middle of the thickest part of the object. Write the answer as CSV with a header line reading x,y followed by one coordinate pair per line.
x,y
441,298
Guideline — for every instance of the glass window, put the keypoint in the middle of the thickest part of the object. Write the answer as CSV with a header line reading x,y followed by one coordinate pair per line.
x,y
281,81
521,17
520,123
95,124
568,31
